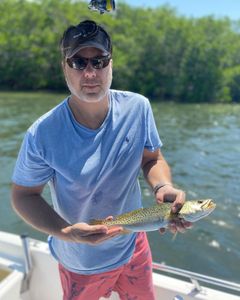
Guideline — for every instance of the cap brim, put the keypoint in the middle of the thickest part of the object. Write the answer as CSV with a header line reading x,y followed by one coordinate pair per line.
x,y
91,44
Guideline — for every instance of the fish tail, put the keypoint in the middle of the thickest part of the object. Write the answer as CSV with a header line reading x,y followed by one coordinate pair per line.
x,y
174,236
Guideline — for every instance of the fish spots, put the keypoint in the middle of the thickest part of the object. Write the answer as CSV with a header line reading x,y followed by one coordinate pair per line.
x,y
159,216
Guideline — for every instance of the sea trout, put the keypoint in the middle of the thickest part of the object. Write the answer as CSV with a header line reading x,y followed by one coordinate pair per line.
x,y
159,215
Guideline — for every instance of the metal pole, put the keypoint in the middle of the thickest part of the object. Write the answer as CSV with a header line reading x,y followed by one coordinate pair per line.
x,y
27,263
27,257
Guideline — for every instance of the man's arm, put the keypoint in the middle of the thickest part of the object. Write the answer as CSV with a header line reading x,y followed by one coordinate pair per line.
x,y
155,168
158,175
31,206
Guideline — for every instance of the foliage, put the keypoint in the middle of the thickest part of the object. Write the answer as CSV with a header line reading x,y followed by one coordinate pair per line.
x,y
156,52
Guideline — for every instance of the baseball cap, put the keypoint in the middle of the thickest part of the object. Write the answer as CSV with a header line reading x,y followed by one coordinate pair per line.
x,y
85,34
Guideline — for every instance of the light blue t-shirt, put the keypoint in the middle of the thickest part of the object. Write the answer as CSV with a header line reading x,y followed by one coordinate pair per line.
x,y
92,173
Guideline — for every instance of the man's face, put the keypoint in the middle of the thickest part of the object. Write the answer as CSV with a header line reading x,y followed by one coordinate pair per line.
x,y
89,84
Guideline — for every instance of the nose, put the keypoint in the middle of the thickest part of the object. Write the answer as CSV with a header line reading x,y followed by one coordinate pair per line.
x,y
89,71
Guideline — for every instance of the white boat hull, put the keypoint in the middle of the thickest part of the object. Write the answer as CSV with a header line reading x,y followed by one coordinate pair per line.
x,y
42,281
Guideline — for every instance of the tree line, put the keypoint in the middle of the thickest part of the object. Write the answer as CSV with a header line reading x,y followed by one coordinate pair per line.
x,y
156,52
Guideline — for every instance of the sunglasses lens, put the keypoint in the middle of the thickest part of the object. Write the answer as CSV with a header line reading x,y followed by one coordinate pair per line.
x,y
80,63
77,63
100,63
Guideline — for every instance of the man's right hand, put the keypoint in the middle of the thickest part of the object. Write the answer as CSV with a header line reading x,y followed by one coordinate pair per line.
x,y
32,207
90,234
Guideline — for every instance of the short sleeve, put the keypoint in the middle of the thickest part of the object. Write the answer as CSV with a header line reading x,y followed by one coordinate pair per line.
x,y
153,141
31,168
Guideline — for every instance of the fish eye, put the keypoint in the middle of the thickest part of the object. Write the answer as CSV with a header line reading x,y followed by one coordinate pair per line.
x,y
200,201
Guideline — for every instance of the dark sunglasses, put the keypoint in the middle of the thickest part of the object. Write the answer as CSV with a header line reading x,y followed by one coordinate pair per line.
x,y
80,63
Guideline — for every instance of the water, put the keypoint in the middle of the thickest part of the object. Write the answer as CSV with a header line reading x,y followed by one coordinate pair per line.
x,y
202,146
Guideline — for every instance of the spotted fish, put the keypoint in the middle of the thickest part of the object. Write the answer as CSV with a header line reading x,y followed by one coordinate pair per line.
x,y
159,215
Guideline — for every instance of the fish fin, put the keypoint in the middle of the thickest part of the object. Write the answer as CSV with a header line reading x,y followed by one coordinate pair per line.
x,y
125,231
96,222
174,236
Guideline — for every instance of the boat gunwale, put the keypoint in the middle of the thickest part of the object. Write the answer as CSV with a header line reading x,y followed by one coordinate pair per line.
x,y
196,277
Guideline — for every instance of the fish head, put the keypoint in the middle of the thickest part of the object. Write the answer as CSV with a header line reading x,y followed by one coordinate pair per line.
x,y
195,210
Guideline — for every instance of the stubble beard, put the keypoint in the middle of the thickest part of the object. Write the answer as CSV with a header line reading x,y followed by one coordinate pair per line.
x,y
91,97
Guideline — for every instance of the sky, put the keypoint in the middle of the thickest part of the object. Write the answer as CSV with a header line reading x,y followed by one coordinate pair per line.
x,y
196,8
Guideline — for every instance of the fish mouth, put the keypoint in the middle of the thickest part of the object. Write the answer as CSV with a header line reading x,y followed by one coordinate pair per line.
x,y
208,204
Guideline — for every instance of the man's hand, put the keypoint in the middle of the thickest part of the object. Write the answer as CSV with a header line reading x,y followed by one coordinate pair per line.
x,y
29,204
168,193
90,234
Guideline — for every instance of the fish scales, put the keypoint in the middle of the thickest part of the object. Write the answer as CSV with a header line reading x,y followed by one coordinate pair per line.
x,y
144,214
159,215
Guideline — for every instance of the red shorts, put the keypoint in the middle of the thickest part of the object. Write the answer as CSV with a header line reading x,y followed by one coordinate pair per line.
x,y
131,281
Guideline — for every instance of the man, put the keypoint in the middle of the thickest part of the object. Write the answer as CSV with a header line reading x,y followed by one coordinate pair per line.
x,y
90,149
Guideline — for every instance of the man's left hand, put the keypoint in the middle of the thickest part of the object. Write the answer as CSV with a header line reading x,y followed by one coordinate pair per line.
x,y
168,193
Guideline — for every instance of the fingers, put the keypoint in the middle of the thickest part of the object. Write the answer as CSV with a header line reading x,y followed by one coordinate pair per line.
x,y
90,234
96,239
94,229
84,229
188,225
178,225
169,194
178,202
